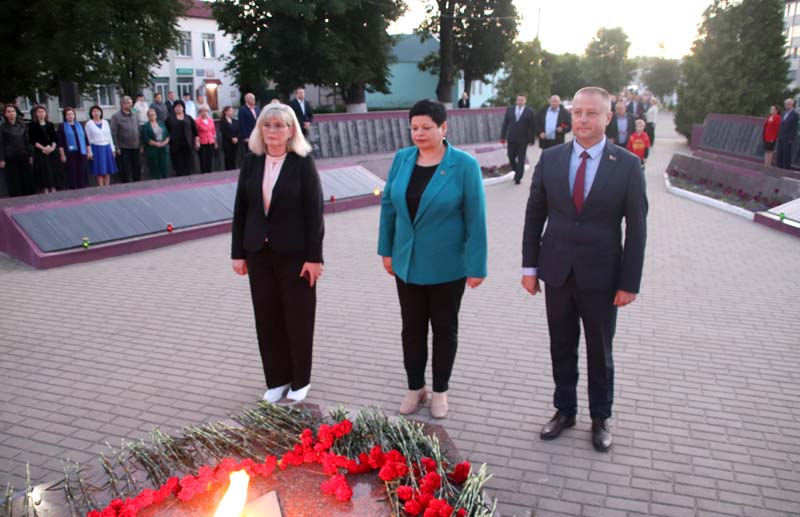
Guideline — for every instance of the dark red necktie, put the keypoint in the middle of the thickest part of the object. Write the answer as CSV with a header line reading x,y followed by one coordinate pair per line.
x,y
580,182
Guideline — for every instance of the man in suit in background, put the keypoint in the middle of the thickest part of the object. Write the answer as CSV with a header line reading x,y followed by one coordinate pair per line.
x,y
637,106
621,126
786,135
170,102
554,121
519,131
302,108
582,190
247,120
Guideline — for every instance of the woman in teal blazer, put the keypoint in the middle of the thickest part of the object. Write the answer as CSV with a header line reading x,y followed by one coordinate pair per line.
x,y
155,139
433,241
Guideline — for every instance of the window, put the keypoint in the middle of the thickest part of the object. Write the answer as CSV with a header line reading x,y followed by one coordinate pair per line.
x,y
185,85
25,104
105,96
209,46
185,44
161,85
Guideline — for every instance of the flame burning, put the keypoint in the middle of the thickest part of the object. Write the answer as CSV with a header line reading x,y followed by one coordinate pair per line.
x,y
233,501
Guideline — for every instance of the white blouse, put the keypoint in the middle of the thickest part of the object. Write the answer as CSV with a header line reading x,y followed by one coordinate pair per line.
x,y
101,135
651,115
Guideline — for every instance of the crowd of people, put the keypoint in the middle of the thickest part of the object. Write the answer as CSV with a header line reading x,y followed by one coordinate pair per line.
x,y
779,134
632,126
177,135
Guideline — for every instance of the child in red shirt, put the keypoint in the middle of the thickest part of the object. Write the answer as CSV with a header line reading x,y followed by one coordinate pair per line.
x,y
639,142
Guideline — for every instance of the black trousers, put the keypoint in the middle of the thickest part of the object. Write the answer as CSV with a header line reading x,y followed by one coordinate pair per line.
x,y
517,152
129,165
650,129
784,154
285,308
230,152
568,306
182,160
206,157
438,304
19,176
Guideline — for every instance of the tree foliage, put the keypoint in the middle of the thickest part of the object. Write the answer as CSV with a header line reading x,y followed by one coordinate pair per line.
x,y
566,73
88,42
662,76
525,75
606,62
482,33
737,65
339,43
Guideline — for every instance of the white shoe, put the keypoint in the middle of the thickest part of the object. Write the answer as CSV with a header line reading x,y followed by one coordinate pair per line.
x,y
296,396
273,395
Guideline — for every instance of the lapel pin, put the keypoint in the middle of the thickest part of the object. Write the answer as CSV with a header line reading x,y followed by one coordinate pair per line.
x,y
612,157
442,173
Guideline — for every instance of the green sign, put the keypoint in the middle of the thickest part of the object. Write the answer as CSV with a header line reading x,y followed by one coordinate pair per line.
x,y
183,71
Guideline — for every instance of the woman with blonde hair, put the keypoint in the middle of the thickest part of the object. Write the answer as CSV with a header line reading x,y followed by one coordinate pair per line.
x,y
277,241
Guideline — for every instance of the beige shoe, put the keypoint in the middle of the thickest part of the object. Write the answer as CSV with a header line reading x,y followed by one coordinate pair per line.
x,y
412,401
439,405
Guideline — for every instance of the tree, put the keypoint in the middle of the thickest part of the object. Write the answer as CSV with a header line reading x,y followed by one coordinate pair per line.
x,y
606,62
525,75
339,43
566,73
479,34
662,76
88,42
737,65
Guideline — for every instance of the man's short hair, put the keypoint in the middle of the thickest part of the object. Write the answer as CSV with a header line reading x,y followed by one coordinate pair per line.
x,y
594,90
433,109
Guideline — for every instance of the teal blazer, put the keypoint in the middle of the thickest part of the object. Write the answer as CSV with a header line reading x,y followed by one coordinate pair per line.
x,y
447,239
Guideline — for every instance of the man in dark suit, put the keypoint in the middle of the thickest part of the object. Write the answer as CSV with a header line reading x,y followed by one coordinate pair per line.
x,y
622,125
302,108
247,120
786,135
553,121
170,103
582,190
637,106
519,130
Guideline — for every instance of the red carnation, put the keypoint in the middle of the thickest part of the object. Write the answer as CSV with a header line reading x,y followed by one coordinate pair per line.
x,y
343,428
460,472
412,507
429,464
461,513
337,486
405,492
376,457
430,483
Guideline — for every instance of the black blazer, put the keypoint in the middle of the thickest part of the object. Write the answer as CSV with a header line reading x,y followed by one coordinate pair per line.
x,y
788,128
612,132
229,131
641,107
309,114
294,223
590,244
522,131
189,131
564,120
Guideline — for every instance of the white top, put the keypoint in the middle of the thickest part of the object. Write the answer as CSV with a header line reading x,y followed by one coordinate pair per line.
x,y
190,108
101,135
141,111
272,169
651,114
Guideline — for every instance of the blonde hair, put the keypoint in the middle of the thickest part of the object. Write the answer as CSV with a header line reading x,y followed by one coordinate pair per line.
x,y
296,144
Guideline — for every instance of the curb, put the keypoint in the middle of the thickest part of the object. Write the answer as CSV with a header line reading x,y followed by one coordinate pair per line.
x,y
500,179
704,200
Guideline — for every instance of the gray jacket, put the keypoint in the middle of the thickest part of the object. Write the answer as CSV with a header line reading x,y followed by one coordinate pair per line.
x,y
125,130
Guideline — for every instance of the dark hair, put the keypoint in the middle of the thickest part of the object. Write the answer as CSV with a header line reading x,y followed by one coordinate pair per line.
x,y
226,108
66,109
36,109
179,103
157,94
433,109
95,107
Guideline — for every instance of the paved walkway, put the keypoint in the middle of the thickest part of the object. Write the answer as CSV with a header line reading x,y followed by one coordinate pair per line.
x,y
707,420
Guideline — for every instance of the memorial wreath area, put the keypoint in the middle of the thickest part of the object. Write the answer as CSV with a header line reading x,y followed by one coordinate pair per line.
x,y
268,460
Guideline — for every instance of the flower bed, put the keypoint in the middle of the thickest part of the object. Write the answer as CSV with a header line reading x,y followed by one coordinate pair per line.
x,y
752,201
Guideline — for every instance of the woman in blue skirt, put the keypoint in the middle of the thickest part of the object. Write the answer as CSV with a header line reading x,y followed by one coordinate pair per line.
x,y
101,151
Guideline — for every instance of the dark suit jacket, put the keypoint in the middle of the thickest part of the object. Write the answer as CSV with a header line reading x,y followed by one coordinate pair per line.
x,y
229,131
612,132
788,129
522,131
247,122
189,131
564,120
294,223
590,244
309,115
641,107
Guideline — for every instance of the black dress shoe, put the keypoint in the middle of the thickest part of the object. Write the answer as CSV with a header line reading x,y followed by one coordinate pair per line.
x,y
601,436
558,423
516,182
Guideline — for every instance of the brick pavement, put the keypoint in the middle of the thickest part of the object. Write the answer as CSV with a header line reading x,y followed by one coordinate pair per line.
x,y
707,412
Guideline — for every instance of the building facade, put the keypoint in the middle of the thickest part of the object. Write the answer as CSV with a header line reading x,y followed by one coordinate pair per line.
x,y
791,19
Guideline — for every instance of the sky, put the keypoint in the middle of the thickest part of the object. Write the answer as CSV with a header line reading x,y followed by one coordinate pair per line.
x,y
569,25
